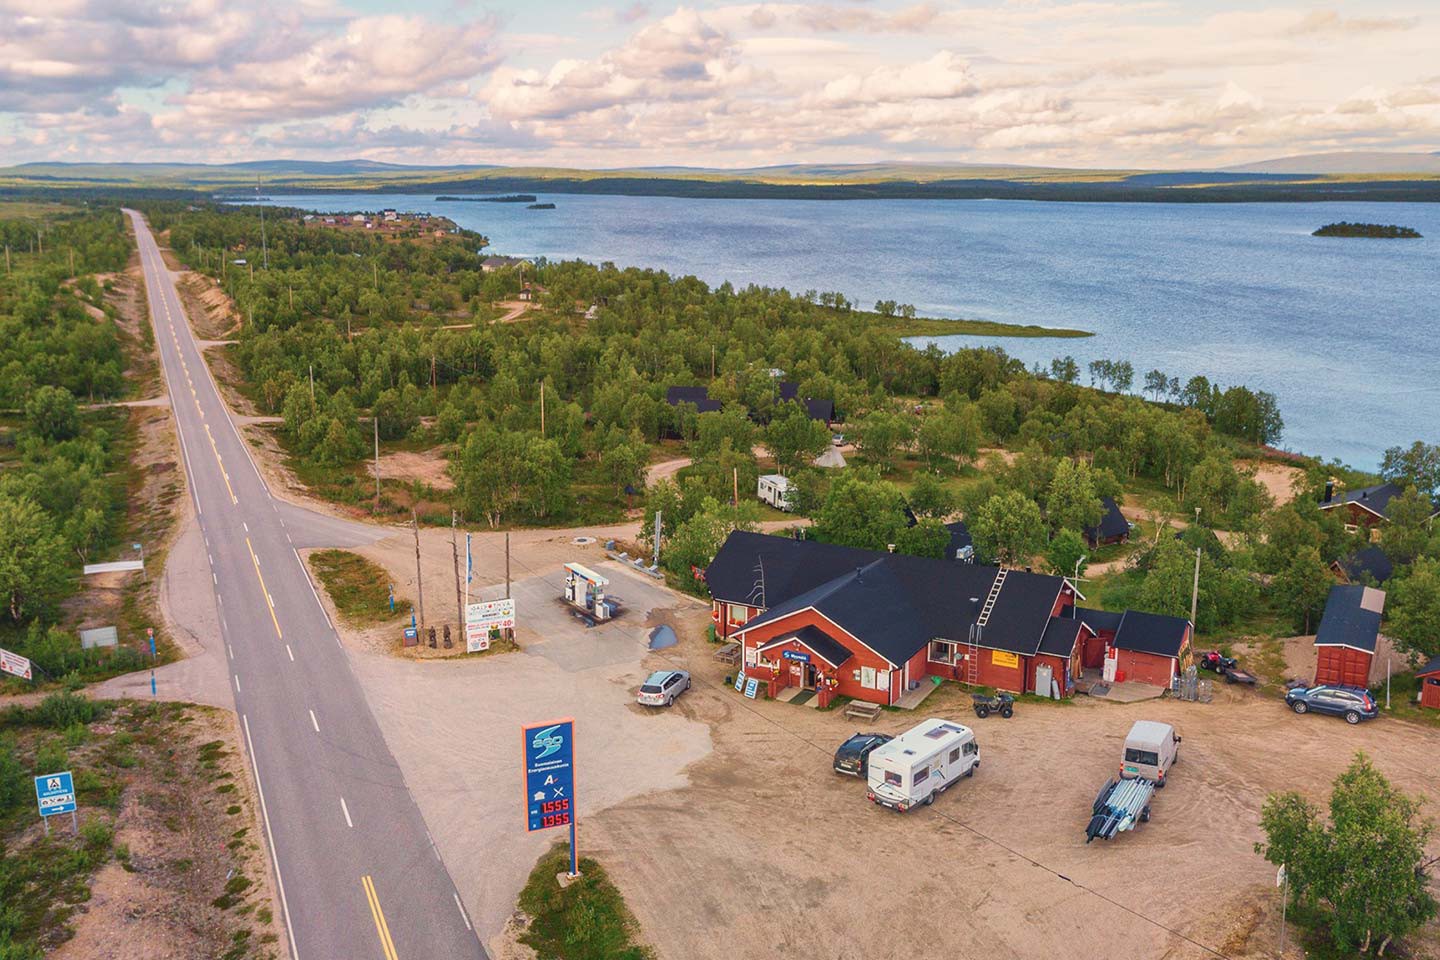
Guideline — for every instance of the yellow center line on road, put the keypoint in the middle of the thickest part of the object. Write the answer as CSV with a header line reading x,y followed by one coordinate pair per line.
x,y
381,927
264,589
221,464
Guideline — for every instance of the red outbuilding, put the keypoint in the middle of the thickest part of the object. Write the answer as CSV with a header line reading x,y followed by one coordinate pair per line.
x,y
1429,677
1345,640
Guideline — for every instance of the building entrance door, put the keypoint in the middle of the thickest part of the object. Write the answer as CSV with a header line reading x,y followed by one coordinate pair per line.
x,y
810,674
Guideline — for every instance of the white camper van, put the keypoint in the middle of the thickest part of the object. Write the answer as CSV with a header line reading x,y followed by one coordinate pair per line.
x,y
775,490
1150,750
921,763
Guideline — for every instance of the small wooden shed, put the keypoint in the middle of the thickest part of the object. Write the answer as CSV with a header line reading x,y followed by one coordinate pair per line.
x,y
1345,642
1429,677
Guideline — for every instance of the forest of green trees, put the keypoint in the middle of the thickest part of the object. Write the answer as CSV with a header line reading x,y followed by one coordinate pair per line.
x,y
369,315
62,477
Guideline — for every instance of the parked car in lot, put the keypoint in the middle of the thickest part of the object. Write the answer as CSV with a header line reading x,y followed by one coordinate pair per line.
x,y
921,763
662,687
1352,703
853,757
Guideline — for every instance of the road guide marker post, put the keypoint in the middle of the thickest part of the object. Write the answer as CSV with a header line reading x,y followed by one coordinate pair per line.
x,y
549,750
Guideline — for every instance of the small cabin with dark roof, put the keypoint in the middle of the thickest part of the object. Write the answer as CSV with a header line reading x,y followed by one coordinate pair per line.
x,y
1429,677
699,396
1366,566
1150,648
1367,506
1112,528
1349,629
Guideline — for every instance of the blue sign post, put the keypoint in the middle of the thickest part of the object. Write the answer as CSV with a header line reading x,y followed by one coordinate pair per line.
x,y
55,794
550,778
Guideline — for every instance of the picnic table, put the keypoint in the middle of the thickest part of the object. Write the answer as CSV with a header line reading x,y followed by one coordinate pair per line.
x,y
862,710
729,653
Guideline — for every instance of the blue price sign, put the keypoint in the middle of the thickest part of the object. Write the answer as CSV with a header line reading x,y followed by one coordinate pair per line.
x,y
550,774
55,793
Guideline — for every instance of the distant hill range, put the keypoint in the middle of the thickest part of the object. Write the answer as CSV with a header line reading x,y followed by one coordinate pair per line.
x,y
1337,176
1347,162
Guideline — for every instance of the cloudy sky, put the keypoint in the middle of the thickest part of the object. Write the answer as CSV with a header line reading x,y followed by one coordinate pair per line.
x,y
1155,83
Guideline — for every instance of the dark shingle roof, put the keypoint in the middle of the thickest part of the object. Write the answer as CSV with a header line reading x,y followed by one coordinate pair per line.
x,y
827,647
959,538
893,603
788,390
700,396
1151,633
791,566
1370,562
820,409
1376,498
1060,636
1098,620
1432,667
1112,524
1352,618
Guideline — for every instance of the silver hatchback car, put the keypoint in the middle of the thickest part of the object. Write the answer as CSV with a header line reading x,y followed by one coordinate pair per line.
x,y
662,687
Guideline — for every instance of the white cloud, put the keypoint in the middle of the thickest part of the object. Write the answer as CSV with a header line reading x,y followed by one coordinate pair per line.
x,y
1077,82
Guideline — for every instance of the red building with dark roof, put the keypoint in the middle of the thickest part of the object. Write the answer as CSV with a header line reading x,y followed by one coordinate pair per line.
x,y
1349,629
872,625
1429,677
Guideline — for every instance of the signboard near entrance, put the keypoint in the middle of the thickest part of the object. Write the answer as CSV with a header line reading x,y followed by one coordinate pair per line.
x,y
796,655
1002,659
55,793
483,617
752,687
549,774
16,665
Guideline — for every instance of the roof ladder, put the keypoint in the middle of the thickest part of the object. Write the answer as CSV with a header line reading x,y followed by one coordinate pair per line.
x,y
984,617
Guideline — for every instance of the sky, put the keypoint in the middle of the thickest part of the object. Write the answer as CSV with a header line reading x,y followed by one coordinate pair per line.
x,y
1089,83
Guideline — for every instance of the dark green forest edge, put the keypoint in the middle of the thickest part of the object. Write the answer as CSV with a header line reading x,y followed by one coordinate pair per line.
x,y
1374,231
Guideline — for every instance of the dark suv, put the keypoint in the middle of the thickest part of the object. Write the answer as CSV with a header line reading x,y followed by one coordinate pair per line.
x,y
1352,703
853,757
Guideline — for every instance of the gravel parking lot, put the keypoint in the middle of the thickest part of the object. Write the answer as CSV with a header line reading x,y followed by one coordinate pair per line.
x,y
769,853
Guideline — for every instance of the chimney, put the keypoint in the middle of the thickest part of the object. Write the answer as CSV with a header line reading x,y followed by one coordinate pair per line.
x,y
1329,490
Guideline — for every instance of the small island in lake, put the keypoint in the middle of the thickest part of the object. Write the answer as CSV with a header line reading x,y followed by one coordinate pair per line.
x,y
508,198
541,206
1374,231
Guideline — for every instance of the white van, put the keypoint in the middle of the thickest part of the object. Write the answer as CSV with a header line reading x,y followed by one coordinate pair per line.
x,y
774,490
1150,750
921,763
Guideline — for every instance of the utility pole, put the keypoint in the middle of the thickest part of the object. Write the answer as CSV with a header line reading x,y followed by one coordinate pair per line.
x,y
455,556
432,373
712,361
376,422
7,258
542,409
735,479
507,564
1195,589
264,247
376,267
419,582
656,561
312,383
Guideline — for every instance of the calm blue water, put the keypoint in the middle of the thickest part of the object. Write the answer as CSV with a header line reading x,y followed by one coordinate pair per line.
x,y
1344,332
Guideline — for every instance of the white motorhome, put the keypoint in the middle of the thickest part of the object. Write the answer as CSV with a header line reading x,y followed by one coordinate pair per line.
x,y
922,763
776,491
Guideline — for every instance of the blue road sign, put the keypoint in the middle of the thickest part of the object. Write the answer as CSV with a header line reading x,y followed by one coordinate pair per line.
x,y
55,793
549,774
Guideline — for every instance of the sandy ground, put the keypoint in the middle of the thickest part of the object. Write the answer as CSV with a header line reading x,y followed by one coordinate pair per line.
x,y
427,466
1300,660
784,850
1279,479
665,469
183,845
514,310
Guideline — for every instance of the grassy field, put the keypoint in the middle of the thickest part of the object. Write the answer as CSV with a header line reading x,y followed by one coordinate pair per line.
x,y
358,587
585,920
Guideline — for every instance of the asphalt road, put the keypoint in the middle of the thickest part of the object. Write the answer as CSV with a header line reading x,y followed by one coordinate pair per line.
x,y
357,873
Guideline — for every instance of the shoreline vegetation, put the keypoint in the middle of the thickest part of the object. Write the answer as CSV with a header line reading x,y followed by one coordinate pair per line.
x,y
792,182
510,198
1369,231
940,327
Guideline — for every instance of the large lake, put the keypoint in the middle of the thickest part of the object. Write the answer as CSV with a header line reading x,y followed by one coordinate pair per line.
x,y
1345,332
